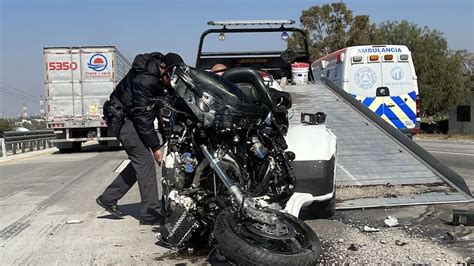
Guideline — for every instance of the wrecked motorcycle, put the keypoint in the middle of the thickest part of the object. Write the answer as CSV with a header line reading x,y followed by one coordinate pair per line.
x,y
227,174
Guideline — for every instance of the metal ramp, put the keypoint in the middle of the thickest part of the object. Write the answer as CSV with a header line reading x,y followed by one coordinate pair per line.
x,y
376,164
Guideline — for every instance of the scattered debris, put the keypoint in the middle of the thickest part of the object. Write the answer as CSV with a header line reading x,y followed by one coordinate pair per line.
x,y
74,222
400,243
391,221
463,217
370,229
452,236
354,247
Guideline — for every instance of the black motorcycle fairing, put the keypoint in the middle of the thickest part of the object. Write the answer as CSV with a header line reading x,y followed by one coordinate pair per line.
x,y
216,101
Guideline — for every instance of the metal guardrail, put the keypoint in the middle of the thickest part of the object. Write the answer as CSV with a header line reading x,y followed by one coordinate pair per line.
x,y
439,168
13,142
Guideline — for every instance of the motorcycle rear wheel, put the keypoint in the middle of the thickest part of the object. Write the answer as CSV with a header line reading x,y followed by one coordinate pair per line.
x,y
247,242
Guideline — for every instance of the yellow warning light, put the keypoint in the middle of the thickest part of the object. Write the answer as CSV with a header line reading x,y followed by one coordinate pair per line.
x,y
374,57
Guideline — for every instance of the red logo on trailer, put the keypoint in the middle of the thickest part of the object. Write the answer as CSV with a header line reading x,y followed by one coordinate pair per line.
x,y
97,62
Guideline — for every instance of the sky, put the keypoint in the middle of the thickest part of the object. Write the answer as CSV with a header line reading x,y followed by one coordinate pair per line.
x,y
170,26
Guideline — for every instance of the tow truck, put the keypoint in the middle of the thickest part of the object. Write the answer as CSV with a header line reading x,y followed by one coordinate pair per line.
x,y
375,164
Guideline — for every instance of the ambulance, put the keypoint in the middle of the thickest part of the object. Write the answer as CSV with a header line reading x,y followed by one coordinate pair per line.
x,y
382,77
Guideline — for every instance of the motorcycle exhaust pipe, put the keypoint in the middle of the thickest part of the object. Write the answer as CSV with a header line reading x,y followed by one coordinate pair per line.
x,y
233,189
249,208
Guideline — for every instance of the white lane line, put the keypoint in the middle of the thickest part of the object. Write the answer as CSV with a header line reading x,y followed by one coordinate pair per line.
x,y
453,153
122,166
349,174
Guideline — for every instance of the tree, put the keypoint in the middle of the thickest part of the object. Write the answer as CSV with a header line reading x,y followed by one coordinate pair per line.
x,y
441,81
467,60
326,27
331,27
5,125
362,32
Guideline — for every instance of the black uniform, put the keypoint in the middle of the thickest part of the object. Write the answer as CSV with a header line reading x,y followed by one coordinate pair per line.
x,y
134,96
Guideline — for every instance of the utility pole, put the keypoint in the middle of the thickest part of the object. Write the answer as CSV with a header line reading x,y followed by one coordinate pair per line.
x,y
42,113
24,113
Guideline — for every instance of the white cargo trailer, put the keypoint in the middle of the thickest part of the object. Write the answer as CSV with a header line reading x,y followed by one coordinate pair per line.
x,y
78,80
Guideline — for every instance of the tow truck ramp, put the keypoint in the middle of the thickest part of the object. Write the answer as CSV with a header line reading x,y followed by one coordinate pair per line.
x,y
376,164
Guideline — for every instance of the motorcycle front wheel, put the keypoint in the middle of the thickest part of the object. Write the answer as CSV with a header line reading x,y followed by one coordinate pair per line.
x,y
290,242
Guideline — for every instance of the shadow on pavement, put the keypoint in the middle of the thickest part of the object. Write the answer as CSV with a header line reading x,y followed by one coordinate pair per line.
x,y
110,217
91,148
132,209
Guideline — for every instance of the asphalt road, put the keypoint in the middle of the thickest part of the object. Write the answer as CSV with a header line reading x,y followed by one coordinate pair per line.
x,y
49,216
459,156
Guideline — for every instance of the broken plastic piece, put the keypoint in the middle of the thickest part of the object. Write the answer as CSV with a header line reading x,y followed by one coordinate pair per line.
x,y
74,222
391,221
370,229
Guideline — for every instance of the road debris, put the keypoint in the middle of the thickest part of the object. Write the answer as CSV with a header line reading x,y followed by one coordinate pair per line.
x,y
463,217
354,247
370,229
74,222
400,243
391,221
452,236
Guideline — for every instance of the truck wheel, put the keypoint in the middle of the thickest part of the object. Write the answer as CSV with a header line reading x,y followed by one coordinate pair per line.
x,y
76,146
65,150
65,147
247,242
324,209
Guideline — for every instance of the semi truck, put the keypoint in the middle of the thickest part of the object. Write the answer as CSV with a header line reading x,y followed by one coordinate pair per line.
x,y
78,80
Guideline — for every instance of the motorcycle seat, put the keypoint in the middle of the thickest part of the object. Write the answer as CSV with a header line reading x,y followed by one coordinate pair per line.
x,y
250,83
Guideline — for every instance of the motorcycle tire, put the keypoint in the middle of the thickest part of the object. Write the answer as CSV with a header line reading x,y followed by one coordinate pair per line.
x,y
243,246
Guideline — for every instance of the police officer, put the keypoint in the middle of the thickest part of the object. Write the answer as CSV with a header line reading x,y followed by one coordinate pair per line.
x,y
132,99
